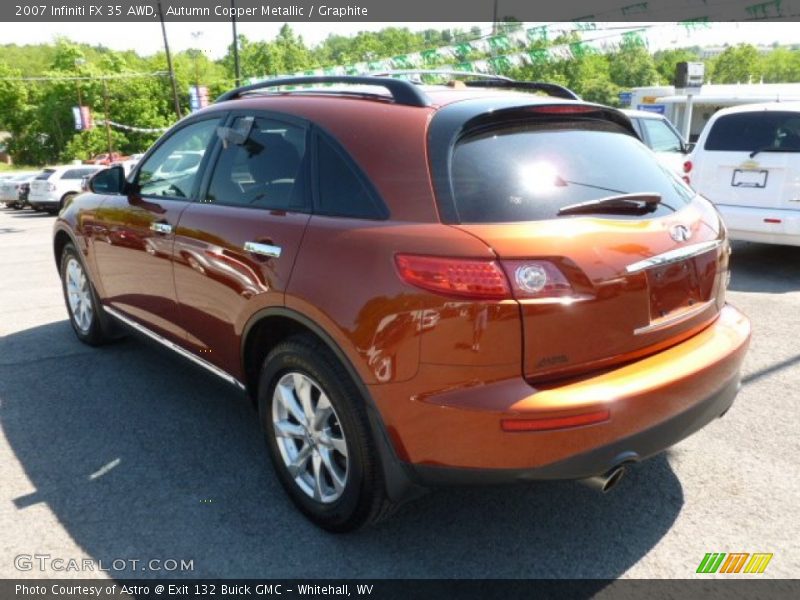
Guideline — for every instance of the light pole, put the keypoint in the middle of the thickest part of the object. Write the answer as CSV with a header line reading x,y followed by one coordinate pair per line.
x,y
236,70
169,62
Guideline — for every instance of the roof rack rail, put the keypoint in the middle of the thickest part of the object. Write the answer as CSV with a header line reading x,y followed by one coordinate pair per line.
x,y
402,91
491,80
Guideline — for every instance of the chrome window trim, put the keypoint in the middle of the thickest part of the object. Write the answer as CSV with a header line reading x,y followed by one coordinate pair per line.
x,y
174,347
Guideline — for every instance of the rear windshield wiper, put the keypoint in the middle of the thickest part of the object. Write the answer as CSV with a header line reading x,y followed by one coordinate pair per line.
x,y
770,149
624,203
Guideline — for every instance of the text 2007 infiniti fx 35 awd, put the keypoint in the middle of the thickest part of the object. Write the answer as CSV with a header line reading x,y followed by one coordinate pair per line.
x,y
418,284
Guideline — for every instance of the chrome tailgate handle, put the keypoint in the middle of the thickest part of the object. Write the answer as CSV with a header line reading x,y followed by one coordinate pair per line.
x,y
161,227
263,249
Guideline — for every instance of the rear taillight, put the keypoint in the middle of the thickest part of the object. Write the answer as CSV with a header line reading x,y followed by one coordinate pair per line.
x,y
536,279
473,278
562,109
484,278
687,166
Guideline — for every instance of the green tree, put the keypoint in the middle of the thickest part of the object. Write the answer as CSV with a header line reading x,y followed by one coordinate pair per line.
x,y
737,64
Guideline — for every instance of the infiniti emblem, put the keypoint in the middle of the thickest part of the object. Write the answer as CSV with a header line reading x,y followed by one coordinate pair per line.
x,y
680,233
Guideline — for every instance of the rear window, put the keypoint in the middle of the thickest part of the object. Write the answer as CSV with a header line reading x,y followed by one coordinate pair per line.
x,y
45,174
528,171
77,173
775,131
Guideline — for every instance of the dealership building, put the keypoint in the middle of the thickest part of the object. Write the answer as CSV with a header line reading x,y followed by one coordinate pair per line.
x,y
672,103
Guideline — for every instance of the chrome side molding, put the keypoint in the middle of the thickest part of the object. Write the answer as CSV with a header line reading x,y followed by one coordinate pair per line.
x,y
673,256
174,347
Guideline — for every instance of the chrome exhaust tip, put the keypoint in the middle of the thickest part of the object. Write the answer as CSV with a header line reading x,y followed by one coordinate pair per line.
x,y
603,483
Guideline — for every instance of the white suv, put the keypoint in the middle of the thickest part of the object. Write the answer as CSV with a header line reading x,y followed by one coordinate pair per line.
x,y
747,162
54,185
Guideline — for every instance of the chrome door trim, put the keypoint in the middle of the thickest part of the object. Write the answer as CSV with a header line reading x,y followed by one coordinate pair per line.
x,y
174,347
673,256
161,227
263,249
670,321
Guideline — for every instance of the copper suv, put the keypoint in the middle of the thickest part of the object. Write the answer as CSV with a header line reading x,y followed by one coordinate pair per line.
x,y
418,284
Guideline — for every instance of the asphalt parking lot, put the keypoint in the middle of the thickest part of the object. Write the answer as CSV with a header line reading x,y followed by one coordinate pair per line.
x,y
127,452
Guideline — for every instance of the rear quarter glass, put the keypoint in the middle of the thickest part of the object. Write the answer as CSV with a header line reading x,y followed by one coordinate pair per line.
x,y
527,171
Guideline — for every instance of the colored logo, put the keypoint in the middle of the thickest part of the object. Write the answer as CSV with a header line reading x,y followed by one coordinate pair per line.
x,y
734,562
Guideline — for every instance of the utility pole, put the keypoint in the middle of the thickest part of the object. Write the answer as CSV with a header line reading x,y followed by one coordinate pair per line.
x,y
237,72
169,62
107,119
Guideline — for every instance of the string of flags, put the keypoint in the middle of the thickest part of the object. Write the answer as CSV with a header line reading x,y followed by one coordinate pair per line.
x,y
525,46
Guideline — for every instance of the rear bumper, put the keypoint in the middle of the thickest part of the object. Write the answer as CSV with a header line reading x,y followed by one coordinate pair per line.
x,y
456,435
599,460
765,225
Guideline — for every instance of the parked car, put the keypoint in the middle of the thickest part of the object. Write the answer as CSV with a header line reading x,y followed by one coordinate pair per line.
x,y
660,135
54,186
106,158
14,190
747,162
513,289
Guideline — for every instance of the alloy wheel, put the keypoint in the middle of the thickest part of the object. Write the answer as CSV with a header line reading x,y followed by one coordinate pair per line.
x,y
79,296
309,437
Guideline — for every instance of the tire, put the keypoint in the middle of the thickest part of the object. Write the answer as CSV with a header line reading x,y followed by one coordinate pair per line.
x,y
303,362
86,315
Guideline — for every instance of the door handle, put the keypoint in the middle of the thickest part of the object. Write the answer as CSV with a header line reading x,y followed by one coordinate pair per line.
x,y
161,227
263,249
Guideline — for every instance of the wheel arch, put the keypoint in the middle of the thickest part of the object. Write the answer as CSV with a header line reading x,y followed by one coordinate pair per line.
x,y
268,327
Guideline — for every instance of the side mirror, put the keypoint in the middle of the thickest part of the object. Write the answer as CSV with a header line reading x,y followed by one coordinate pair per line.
x,y
108,181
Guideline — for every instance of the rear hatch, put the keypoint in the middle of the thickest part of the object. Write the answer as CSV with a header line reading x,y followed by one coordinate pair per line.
x,y
598,283
751,159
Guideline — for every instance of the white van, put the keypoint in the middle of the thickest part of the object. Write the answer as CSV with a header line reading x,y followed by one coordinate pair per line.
x,y
747,162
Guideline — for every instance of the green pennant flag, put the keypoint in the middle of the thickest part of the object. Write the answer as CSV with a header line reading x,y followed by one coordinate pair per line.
x,y
500,64
538,56
462,50
537,34
499,43
430,57
402,62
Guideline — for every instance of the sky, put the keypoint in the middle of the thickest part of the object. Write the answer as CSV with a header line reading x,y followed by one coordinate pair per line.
x,y
214,38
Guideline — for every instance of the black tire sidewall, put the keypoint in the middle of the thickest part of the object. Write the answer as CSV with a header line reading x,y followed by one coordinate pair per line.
x,y
346,512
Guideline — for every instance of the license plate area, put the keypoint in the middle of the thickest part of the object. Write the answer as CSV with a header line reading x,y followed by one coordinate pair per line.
x,y
749,178
674,288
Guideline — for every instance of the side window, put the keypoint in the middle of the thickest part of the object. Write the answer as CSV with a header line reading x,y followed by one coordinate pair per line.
x,y
172,169
662,138
77,173
260,165
341,191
